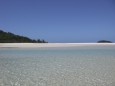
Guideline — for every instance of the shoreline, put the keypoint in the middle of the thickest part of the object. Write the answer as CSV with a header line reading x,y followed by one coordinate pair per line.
x,y
38,45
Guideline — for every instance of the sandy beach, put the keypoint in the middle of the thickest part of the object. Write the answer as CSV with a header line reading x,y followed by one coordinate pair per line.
x,y
37,45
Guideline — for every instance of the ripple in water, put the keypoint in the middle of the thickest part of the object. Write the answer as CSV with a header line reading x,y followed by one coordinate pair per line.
x,y
78,66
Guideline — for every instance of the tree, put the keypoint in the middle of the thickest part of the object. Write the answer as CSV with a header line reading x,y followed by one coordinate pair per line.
x,y
8,37
104,41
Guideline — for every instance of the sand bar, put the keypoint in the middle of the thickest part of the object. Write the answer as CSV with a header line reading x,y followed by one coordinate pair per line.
x,y
36,45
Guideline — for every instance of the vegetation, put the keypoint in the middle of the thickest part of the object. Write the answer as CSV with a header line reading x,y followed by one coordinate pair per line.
x,y
7,37
104,41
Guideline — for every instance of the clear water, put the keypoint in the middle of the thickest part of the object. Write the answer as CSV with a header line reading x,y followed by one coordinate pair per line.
x,y
67,66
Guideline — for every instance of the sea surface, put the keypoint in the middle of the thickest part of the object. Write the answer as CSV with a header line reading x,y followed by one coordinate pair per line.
x,y
58,66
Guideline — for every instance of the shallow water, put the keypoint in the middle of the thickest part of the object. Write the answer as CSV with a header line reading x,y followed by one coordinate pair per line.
x,y
67,66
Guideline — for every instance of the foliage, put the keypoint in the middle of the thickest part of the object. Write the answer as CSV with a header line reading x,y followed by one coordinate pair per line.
x,y
104,41
7,37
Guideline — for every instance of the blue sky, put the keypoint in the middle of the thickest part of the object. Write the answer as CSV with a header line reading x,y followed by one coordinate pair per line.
x,y
60,20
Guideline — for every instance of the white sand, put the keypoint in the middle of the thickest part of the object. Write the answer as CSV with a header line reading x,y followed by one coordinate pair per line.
x,y
36,45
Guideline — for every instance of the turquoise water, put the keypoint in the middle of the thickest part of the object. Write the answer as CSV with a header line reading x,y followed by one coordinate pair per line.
x,y
63,66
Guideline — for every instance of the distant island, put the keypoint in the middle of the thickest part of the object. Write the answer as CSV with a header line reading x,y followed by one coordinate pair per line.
x,y
8,37
104,41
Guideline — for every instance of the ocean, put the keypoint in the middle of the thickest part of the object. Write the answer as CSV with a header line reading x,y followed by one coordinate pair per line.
x,y
58,66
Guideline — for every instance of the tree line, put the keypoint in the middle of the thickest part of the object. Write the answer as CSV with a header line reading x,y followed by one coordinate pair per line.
x,y
8,37
104,41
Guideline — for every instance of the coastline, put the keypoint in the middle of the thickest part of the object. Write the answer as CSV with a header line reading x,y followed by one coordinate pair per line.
x,y
38,45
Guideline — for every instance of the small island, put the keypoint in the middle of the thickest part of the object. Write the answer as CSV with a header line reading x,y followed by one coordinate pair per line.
x,y
104,41
8,37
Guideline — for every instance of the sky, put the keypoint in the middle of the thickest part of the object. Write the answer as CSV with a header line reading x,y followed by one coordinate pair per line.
x,y
72,21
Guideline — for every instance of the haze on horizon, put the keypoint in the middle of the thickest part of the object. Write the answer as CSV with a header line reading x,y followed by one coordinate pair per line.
x,y
60,20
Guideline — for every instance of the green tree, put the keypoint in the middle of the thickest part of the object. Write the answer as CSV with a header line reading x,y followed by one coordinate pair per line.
x,y
8,37
104,41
